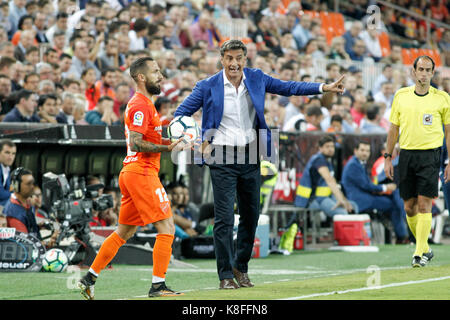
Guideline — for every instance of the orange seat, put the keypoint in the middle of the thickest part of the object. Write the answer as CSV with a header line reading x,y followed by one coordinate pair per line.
x,y
414,53
437,57
337,19
385,44
406,57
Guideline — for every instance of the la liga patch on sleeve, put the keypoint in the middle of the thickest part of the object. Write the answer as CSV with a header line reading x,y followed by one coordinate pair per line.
x,y
138,118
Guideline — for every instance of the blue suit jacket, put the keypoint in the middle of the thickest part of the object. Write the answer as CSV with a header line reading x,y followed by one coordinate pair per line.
x,y
4,191
357,184
209,95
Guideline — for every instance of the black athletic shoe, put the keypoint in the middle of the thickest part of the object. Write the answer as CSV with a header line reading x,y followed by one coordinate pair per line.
x,y
417,262
86,285
161,290
426,257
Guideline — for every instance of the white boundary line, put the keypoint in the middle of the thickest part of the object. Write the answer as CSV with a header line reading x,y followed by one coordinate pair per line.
x,y
397,284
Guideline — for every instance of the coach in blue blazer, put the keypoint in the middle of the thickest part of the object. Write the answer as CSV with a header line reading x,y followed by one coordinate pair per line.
x,y
232,103
368,196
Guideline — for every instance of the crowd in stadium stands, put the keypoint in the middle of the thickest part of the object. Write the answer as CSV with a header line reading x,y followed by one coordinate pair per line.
x,y
67,61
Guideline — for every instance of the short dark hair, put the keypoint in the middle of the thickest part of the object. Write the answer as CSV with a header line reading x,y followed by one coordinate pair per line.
x,y
233,44
64,55
336,117
103,98
140,24
32,74
6,61
325,139
160,101
360,142
6,142
372,112
44,98
313,111
139,66
24,94
423,57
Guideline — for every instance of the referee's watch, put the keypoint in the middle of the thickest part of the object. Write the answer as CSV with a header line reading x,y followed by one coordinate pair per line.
x,y
387,155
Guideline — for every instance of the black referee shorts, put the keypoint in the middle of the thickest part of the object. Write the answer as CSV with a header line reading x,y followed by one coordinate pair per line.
x,y
419,173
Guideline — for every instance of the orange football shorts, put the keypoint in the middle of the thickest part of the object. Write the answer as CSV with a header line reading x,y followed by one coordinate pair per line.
x,y
144,199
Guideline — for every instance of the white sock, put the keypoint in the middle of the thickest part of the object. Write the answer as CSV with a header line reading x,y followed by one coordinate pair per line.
x,y
156,279
93,272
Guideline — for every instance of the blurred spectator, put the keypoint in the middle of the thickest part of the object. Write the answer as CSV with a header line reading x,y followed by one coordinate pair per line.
x,y
386,75
103,113
182,217
8,151
301,31
25,23
39,25
357,111
7,50
16,11
293,108
80,60
79,112
26,41
335,124
205,30
386,96
395,57
359,52
370,38
122,96
5,92
106,85
91,93
31,82
352,35
66,113
47,110
25,109
137,35
371,122
313,117
162,105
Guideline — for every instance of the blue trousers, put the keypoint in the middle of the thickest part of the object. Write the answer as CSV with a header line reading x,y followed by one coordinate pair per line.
x,y
229,181
327,205
392,204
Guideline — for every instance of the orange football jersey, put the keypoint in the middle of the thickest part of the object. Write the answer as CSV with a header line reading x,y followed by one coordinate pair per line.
x,y
141,116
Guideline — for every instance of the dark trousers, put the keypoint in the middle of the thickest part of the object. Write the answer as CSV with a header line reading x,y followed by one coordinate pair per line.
x,y
229,180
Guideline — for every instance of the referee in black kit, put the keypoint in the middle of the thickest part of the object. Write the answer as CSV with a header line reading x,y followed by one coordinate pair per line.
x,y
419,112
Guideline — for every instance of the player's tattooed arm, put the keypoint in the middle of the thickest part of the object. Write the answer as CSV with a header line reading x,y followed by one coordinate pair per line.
x,y
137,144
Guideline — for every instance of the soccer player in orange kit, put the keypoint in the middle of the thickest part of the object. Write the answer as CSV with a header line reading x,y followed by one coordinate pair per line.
x,y
144,199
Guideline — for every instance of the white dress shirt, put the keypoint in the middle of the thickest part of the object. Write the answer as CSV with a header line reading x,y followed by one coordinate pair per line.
x,y
237,125
5,171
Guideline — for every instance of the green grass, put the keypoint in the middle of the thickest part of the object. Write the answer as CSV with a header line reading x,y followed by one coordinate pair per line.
x,y
276,277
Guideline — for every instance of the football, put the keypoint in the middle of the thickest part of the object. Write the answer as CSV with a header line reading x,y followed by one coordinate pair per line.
x,y
55,260
183,127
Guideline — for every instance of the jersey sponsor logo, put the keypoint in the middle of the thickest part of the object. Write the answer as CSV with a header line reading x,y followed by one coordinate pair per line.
x,y
158,128
130,159
428,119
138,118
